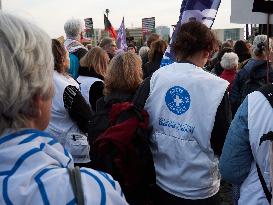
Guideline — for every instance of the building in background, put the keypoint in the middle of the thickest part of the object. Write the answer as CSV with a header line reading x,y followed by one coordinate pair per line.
x,y
229,34
164,32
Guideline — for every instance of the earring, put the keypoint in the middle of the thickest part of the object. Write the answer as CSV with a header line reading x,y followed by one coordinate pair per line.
x,y
39,112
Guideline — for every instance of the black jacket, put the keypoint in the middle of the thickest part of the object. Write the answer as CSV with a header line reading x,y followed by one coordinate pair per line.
x,y
255,69
100,120
150,67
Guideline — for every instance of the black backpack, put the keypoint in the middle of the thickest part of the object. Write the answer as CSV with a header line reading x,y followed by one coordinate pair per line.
x,y
123,149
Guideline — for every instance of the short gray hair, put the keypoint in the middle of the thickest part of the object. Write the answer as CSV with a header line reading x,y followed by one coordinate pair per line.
x,y
260,44
229,60
26,70
143,51
73,28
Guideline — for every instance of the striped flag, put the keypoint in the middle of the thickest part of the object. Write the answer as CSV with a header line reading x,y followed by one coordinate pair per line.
x,y
108,27
121,39
89,27
200,10
148,25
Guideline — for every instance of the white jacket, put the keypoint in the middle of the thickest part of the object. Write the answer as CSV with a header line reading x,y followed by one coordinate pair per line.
x,y
182,105
33,170
61,125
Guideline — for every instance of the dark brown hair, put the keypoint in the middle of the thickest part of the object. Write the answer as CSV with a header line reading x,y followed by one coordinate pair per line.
x,y
192,38
157,49
241,50
59,53
153,37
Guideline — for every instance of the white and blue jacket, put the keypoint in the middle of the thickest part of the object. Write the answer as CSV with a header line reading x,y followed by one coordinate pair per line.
x,y
241,150
33,170
182,105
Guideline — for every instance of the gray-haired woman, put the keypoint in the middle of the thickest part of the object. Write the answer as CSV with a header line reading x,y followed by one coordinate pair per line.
x,y
34,166
255,70
73,29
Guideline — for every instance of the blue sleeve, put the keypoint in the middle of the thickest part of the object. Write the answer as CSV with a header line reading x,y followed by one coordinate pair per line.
x,y
236,158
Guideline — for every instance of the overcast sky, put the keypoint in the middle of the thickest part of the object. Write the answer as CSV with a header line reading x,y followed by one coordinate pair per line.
x,y
51,14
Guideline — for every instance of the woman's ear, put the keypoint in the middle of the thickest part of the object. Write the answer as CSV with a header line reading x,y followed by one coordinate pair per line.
x,y
36,103
40,112
206,54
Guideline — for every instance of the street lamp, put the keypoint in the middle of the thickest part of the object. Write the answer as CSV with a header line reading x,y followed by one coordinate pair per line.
x,y
107,11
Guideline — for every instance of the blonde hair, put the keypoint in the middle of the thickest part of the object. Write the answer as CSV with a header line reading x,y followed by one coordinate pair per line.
x,y
124,73
97,59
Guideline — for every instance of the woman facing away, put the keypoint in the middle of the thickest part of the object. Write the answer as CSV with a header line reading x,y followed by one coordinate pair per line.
x,y
122,79
34,166
189,112
70,114
92,70
229,63
155,56
255,70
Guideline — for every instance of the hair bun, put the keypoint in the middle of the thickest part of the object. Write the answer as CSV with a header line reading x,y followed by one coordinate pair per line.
x,y
261,46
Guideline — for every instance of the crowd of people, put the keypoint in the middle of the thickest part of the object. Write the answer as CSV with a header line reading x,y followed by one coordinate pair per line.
x,y
206,116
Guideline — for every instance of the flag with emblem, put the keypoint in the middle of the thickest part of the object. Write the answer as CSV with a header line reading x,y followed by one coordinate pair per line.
x,y
89,27
121,39
108,27
199,10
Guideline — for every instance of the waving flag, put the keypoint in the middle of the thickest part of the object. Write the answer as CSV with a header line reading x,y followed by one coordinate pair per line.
x,y
121,40
109,27
200,10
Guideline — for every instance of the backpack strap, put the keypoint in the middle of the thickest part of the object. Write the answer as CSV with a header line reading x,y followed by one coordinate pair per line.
x,y
142,94
267,91
267,193
265,137
76,183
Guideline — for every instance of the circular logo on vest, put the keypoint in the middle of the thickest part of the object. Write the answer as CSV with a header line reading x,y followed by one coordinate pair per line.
x,y
178,100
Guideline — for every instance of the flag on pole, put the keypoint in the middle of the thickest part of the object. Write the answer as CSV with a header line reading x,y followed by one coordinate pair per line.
x,y
121,39
109,27
203,11
89,27
148,25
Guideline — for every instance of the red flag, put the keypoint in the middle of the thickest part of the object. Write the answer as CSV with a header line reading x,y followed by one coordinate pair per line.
x,y
109,27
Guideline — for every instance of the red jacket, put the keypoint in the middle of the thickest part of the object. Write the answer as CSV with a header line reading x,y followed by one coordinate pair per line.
x,y
229,75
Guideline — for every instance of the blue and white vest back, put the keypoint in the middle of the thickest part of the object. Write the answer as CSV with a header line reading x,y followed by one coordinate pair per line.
x,y
182,105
